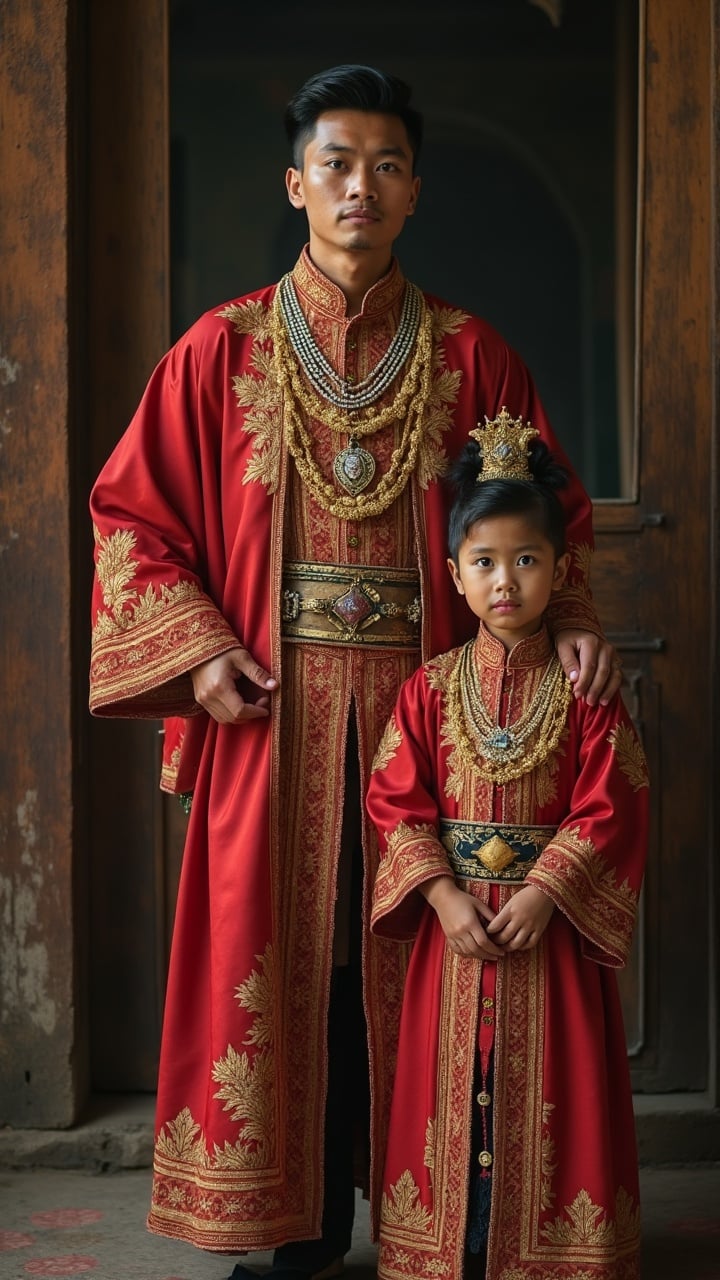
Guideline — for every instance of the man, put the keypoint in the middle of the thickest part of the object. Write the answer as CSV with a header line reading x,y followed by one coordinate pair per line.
x,y
269,532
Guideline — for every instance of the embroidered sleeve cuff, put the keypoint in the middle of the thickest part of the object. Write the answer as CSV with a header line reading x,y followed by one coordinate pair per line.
x,y
412,858
585,889
140,668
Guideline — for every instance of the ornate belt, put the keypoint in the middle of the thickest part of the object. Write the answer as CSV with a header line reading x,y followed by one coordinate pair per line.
x,y
351,605
492,850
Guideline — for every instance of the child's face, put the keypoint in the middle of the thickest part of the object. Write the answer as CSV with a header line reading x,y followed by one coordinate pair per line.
x,y
507,570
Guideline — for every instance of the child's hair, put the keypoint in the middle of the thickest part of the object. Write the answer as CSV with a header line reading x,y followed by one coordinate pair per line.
x,y
478,499
349,88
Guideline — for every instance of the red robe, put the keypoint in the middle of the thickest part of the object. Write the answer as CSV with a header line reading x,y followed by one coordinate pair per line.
x,y
564,1171
194,513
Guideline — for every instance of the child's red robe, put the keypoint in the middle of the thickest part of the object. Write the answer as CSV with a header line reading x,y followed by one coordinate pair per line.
x,y
564,1168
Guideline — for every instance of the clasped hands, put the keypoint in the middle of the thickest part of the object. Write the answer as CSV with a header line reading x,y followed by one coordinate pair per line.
x,y
473,929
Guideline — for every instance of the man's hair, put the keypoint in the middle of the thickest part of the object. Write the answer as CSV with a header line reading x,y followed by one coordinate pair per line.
x,y
349,88
536,499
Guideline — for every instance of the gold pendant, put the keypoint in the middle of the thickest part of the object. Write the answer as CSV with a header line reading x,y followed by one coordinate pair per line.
x,y
354,468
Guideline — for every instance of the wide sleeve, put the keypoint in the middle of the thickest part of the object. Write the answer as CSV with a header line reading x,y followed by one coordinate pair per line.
x,y
593,867
152,614
401,801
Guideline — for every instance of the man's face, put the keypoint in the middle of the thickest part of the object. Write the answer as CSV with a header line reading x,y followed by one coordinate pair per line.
x,y
356,184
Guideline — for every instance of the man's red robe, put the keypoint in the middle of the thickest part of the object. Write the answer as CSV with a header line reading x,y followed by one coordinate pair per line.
x,y
194,514
564,1202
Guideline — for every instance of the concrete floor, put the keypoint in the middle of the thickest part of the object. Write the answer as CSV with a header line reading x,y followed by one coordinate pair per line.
x,y
56,1222
74,1202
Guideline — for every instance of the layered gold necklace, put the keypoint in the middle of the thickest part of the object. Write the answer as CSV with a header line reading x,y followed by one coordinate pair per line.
x,y
311,389
500,753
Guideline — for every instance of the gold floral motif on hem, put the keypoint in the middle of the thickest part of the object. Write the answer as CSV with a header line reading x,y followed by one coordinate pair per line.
x,y
403,1207
588,1226
246,1090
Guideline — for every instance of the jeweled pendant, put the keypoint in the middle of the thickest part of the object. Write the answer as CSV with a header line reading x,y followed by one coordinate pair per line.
x,y
500,745
354,468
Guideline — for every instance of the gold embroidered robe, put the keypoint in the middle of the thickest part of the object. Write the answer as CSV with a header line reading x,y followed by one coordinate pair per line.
x,y
564,1202
194,513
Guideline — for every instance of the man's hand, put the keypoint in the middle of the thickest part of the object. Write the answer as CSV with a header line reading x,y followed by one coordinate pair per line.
x,y
215,688
521,923
462,918
591,664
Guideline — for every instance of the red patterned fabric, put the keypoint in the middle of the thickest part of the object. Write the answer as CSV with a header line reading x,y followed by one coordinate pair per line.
x,y
194,513
564,1181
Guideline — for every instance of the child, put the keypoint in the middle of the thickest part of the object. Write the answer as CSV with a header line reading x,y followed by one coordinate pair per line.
x,y
512,821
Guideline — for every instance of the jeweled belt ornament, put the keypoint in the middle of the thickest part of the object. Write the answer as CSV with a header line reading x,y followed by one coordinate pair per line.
x,y
491,850
351,604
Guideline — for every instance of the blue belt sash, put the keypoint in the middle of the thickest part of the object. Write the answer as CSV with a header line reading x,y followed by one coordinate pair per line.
x,y
492,850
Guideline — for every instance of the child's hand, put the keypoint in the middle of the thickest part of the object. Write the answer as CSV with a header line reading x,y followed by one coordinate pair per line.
x,y
463,919
523,920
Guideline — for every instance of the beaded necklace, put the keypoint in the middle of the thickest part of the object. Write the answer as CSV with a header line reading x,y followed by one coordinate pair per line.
x,y
354,466
500,753
350,397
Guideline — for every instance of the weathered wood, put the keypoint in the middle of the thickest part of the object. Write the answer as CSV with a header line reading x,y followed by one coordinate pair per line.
x,y
41,1013
657,582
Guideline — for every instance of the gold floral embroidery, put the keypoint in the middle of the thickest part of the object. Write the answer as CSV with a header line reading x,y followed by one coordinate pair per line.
x,y
627,1220
264,420
388,745
251,317
548,1161
115,566
630,756
247,1086
587,1223
546,774
582,554
403,834
429,1157
402,1207
437,419
447,320
521,1273
115,570
602,876
178,1140
438,669
256,995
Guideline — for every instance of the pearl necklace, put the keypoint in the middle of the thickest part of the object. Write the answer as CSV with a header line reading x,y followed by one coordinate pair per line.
x,y
353,466
320,374
499,754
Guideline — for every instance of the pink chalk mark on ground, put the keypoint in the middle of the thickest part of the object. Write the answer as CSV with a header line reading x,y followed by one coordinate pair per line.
x,y
71,1265
65,1217
14,1240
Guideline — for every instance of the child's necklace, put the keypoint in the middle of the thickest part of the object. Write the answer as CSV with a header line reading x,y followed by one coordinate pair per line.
x,y
500,753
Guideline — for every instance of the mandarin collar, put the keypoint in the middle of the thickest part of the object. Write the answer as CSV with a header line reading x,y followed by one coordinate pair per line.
x,y
317,293
533,651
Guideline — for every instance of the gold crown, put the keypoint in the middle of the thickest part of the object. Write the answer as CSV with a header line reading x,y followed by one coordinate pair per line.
x,y
504,447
